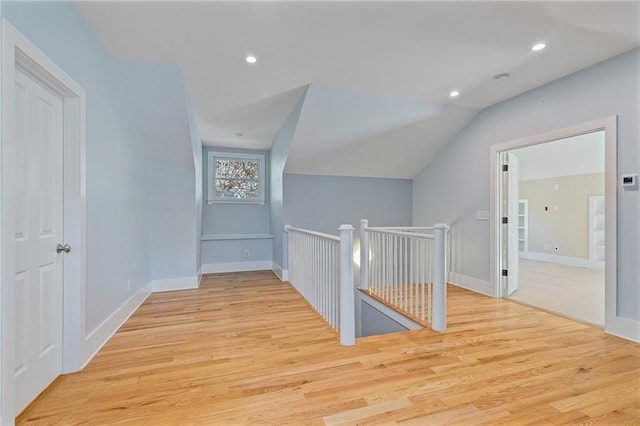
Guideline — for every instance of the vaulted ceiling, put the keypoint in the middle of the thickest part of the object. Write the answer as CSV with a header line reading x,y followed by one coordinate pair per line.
x,y
382,70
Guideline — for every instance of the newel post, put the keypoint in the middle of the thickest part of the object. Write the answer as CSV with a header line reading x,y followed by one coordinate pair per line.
x,y
364,254
439,315
347,297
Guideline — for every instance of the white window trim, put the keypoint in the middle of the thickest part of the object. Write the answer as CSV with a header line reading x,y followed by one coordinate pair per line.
x,y
211,158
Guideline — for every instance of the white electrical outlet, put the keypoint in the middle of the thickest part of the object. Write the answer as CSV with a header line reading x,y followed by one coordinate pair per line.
x,y
556,208
482,215
546,246
247,253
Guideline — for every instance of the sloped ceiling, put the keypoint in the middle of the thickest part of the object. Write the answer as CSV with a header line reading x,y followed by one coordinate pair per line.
x,y
342,132
407,51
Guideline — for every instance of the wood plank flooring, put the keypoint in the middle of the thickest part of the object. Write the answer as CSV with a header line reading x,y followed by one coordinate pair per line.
x,y
568,290
246,349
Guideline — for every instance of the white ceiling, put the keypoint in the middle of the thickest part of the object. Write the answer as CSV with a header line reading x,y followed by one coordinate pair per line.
x,y
414,52
342,132
572,156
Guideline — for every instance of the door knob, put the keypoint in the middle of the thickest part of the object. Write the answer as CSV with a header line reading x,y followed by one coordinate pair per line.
x,y
63,248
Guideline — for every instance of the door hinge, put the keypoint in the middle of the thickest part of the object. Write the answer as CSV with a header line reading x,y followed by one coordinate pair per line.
x,y
505,273
505,167
505,219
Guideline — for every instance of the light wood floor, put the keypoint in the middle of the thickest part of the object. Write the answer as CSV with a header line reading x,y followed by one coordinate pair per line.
x,y
568,290
246,349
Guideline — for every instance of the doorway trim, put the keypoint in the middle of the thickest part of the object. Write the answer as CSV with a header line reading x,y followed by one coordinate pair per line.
x,y
613,324
18,51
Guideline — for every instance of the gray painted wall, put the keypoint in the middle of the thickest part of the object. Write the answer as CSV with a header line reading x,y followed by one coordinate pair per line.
x,y
117,166
232,251
196,145
158,95
375,322
3,387
173,223
323,203
278,160
384,202
456,184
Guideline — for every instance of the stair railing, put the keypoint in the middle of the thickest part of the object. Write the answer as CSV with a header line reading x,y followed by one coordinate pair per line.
x,y
321,270
405,268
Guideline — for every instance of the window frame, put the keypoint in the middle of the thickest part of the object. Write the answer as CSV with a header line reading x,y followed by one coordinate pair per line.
x,y
213,156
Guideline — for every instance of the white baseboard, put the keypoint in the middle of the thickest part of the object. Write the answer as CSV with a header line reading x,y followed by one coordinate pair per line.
x,y
562,260
95,340
623,327
471,283
171,284
216,268
283,274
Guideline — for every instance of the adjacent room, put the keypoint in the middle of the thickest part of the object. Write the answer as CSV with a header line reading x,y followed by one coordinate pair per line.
x,y
561,219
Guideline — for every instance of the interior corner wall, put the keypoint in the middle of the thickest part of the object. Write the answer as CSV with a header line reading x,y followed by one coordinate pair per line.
x,y
173,224
456,183
161,105
116,163
277,160
242,220
196,146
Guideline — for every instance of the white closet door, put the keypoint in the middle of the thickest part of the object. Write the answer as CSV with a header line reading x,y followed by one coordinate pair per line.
x,y
38,230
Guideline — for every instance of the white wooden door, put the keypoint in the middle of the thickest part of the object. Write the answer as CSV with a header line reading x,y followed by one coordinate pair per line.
x,y
510,211
38,230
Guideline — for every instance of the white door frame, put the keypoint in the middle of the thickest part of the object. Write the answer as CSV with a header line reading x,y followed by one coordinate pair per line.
x,y
18,51
510,210
598,264
613,323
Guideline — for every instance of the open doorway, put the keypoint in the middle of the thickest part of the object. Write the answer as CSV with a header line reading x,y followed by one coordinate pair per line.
x,y
558,206
516,245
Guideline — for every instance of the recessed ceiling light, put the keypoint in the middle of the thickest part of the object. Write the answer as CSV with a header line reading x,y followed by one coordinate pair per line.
x,y
454,94
538,46
251,59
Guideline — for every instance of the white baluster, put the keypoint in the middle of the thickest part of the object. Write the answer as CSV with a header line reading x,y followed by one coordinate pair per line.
x,y
412,306
364,255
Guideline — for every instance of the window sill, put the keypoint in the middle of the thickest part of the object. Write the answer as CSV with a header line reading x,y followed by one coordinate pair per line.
x,y
212,202
235,237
